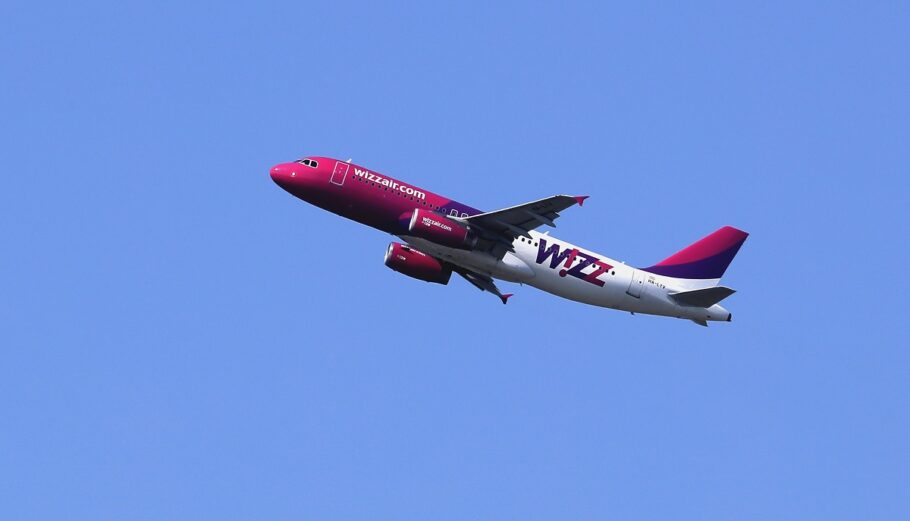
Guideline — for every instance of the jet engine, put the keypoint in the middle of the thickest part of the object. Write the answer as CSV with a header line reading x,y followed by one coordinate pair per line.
x,y
417,264
440,229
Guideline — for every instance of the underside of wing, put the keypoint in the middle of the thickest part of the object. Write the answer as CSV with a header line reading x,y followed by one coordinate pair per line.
x,y
483,283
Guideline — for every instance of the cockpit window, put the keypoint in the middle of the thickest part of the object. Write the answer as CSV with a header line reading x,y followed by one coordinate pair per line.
x,y
312,163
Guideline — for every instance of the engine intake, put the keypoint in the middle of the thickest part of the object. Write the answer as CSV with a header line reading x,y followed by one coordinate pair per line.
x,y
416,264
440,229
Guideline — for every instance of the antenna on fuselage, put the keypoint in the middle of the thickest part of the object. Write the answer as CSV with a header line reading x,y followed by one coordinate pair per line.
x,y
348,161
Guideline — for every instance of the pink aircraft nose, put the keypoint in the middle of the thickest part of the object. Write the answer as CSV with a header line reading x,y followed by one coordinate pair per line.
x,y
286,175
279,173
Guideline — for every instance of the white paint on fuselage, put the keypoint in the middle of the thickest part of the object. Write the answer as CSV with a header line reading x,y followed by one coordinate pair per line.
x,y
522,267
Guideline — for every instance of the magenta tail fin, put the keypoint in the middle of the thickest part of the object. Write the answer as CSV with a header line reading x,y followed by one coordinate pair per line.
x,y
705,259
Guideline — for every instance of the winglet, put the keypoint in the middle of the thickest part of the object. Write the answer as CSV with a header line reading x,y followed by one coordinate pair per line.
x,y
505,298
580,199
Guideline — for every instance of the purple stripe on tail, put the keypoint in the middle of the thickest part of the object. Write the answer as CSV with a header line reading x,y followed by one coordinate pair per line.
x,y
705,259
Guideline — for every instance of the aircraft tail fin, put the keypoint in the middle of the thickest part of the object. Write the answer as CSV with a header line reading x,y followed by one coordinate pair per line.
x,y
706,259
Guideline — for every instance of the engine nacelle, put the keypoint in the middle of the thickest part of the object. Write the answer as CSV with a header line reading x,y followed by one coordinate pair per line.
x,y
440,229
417,264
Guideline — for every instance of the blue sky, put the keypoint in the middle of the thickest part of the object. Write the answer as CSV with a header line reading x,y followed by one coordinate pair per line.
x,y
184,340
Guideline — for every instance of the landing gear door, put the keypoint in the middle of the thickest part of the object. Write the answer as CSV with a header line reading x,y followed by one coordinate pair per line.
x,y
340,172
637,284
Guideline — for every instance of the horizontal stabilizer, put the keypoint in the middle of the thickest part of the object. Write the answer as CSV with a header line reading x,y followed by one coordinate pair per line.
x,y
702,298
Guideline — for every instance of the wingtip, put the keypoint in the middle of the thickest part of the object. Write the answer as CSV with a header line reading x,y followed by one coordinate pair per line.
x,y
505,298
580,199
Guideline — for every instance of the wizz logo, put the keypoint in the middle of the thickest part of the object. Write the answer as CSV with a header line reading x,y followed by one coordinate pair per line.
x,y
558,256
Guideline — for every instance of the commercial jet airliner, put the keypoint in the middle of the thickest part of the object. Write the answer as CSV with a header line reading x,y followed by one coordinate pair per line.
x,y
441,236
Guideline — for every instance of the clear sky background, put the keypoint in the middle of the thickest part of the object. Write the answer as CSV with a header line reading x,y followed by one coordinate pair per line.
x,y
181,339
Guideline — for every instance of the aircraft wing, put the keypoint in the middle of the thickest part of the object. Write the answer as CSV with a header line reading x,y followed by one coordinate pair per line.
x,y
501,227
483,283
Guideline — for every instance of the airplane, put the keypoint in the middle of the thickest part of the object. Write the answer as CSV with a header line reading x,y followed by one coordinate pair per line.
x,y
441,236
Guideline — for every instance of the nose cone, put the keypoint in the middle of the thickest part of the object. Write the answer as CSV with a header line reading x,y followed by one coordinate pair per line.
x,y
279,173
297,178
285,175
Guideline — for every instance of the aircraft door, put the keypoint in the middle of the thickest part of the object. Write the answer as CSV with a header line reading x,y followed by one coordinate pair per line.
x,y
340,172
637,284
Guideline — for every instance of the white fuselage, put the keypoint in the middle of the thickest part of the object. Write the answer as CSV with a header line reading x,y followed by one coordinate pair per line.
x,y
575,273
